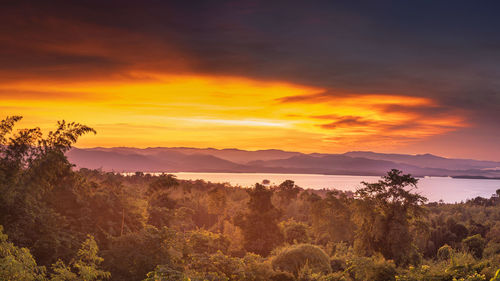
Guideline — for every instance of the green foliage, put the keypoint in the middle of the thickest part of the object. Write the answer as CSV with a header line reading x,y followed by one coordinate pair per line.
x,y
17,264
384,213
38,188
260,223
203,241
162,228
162,183
84,267
257,268
215,267
286,192
162,273
293,258
372,268
133,255
295,232
475,245
282,276
444,253
331,218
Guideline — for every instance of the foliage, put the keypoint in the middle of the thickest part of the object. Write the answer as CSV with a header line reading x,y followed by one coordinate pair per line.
x,y
374,268
293,258
133,255
163,228
295,232
444,253
17,264
84,267
383,215
474,245
260,223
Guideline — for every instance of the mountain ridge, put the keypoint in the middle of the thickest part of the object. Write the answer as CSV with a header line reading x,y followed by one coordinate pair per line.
x,y
187,159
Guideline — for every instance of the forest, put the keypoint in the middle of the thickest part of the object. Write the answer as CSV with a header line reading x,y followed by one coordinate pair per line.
x,y
59,223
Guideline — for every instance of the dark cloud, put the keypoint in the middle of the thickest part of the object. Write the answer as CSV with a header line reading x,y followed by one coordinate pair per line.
x,y
347,121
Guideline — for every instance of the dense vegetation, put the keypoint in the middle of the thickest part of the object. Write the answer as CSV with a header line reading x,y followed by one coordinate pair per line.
x,y
62,224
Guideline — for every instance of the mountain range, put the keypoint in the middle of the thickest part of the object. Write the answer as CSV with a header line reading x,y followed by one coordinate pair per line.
x,y
185,159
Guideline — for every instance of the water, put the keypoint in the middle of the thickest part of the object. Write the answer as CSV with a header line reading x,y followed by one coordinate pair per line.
x,y
449,190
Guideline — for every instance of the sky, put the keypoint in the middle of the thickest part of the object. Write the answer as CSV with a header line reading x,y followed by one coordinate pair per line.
x,y
309,76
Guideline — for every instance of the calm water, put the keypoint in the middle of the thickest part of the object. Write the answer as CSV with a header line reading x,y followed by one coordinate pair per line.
x,y
434,188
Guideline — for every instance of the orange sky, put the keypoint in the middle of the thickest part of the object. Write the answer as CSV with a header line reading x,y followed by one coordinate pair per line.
x,y
322,77
158,109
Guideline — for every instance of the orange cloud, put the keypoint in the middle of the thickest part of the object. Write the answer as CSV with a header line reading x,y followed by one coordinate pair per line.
x,y
219,111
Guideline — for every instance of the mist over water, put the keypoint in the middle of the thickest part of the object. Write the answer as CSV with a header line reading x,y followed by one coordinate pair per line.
x,y
449,190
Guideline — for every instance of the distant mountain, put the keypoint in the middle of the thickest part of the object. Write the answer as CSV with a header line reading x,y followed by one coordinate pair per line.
x,y
427,160
231,154
184,159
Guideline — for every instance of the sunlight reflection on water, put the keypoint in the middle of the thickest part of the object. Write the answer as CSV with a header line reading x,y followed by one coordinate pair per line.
x,y
434,188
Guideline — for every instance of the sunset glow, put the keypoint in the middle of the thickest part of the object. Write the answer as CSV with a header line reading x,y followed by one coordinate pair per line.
x,y
252,75
213,111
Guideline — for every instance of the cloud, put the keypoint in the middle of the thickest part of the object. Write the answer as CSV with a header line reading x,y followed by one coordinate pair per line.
x,y
440,64
346,121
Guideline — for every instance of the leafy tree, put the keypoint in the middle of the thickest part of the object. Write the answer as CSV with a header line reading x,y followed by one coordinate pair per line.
x,y
38,188
295,232
166,274
384,212
217,204
202,241
475,245
260,224
133,255
444,253
331,218
287,191
373,268
163,182
215,267
17,264
84,267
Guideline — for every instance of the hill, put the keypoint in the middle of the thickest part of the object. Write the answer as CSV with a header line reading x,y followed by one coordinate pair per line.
x,y
185,159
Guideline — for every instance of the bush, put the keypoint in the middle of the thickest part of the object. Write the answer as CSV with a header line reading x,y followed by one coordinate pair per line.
x,y
373,269
291,259
282,276
295,232
203,241
444,253
491,249
257,268
216,267
474,245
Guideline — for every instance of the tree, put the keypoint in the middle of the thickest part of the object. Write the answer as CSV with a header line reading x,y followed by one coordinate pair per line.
x,y
444,253
475,245
295,232
38,188
133,255
287,191
260,223
331,218
84,267
162,183
384,212
17,264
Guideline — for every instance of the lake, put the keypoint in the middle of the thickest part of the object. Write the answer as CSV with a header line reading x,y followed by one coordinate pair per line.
x,y
449,190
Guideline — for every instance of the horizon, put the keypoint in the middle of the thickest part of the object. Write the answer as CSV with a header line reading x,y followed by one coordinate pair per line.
x,y
274,149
